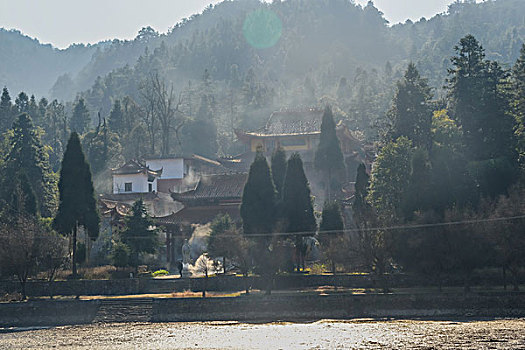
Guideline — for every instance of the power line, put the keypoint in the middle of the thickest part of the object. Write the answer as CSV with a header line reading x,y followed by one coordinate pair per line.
x,y
350,230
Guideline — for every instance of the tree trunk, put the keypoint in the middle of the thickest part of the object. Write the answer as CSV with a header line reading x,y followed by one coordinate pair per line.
x,y
246,287
74,249
205,285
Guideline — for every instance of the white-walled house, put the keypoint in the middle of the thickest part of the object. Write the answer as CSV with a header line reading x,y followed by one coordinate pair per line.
x,y
134,177
174,170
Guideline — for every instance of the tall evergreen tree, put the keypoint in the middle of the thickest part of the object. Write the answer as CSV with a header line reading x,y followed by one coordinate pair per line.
x,y
297,205
329,157
116,120
6,110
390,179
80,119
331,234
480,102
518,81
77,205
411,113
278,169
258,198
139,234
200,134
28,155
23,199
22,103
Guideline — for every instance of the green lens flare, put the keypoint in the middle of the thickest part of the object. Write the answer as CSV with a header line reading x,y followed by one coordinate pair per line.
x,y
262,29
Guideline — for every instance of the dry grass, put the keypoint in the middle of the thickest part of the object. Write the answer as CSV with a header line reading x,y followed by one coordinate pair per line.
x,y
185,294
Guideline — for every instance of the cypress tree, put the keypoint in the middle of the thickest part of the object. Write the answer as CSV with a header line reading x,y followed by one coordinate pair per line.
x,y
77,205
80,119
331,233
297,205
329,157
200,134
258,198
278,169
138,233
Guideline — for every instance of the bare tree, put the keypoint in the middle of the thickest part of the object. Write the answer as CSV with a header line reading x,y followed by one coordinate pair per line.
x,y
19,248
148,115
167,108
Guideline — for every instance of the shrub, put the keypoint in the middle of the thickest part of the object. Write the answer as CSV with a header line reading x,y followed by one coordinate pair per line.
x,y
160,273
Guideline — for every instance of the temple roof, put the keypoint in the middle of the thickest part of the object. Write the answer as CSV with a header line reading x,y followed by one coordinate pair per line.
x,y
134,167
289,122
199,215
223,186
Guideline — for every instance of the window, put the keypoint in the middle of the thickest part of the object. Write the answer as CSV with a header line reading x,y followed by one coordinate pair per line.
x,y
128,186
150,187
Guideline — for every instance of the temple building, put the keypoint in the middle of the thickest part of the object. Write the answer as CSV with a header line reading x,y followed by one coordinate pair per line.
x,y
299,130
134,177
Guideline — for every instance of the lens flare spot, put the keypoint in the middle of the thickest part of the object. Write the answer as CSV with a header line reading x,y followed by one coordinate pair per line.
x,y
262,29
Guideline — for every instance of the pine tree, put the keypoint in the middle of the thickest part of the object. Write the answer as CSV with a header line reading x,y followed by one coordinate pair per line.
x,y
116,120
28,155
77,205
22,103
139,234
6,110
480,101
258,198
411,113
329,157
297,205
278,169
23,199
80,119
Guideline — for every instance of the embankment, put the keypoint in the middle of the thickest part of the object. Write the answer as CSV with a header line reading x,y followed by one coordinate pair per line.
x,y
258,307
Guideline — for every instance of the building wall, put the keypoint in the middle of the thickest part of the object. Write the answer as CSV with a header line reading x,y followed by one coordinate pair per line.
x,y
139,183
172,168
288,143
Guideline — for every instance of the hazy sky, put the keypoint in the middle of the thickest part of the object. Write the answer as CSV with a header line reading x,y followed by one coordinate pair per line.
x,y
62,22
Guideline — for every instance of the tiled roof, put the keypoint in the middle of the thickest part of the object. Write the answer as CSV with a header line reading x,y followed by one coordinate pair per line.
x,y
199,215
134,167
223,186
290,122
294,121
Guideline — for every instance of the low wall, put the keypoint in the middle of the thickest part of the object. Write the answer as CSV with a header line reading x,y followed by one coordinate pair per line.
x,y
217,283
47,313
267,308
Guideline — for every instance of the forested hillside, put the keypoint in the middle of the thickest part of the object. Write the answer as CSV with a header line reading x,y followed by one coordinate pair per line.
x,y
219,73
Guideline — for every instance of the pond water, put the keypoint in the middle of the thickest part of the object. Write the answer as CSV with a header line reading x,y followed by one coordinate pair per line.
x,y
324,334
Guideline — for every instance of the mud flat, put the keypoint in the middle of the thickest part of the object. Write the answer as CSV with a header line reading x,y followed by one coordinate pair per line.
x,y
323,334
